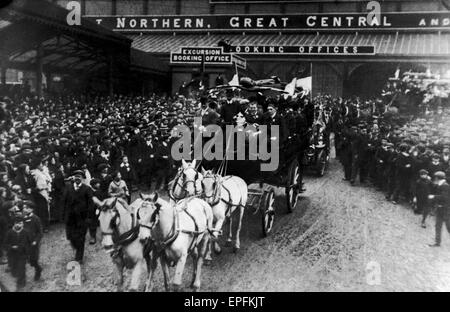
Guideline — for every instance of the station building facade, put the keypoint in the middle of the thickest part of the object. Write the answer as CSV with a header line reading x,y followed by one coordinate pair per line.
x,y
347,47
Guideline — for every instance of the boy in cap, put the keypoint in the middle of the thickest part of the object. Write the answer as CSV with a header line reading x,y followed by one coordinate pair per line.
x,y
18,243
441,198
435,165
422,188
33,225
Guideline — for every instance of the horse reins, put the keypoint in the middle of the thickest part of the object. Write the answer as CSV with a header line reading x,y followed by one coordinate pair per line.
x,y
176,183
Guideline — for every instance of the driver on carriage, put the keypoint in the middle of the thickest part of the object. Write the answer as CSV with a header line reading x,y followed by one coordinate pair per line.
x,y
230,107
252,114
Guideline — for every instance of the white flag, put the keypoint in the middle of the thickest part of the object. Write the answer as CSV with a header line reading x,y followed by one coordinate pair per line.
x,y
290,87
235,81
305,84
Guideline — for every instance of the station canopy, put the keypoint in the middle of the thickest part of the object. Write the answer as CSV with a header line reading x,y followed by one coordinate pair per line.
x,y
395,46
29,26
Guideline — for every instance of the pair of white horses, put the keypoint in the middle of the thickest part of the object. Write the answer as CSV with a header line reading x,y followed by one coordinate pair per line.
x,y
152,228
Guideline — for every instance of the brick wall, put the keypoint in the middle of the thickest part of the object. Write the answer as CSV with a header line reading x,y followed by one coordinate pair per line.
x,y
101,7
130,7
195,7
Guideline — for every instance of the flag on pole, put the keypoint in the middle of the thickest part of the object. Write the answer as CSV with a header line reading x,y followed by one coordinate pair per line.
x,y
290,87
305,84
234,82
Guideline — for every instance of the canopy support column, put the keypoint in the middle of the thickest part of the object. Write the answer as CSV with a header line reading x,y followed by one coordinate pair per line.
x,y
39,70
110,75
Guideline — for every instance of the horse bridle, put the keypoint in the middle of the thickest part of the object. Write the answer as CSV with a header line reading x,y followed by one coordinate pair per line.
x,y
153,221
113,220
185,183
216,189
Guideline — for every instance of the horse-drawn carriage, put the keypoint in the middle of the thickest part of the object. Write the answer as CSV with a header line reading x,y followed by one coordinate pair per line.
x,y
152,228
261,197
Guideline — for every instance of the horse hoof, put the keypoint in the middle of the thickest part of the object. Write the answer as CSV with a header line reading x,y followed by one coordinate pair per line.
x,y
235,249
176,288
228,243
195,288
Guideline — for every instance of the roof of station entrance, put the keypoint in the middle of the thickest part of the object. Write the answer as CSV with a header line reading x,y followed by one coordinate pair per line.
x,y
388,44
27,24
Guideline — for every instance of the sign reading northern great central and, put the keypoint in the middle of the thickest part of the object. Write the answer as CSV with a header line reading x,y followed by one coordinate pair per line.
x,y
278,22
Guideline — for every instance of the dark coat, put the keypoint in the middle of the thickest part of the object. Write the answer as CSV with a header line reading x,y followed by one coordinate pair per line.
x,y
21,240
34,227
228,111
422,189
442,195
78,204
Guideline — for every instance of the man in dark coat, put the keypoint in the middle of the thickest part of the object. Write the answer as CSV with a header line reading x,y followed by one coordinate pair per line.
x,y
78,209
441,199
149,159
18,243
422,189
252,115
229,109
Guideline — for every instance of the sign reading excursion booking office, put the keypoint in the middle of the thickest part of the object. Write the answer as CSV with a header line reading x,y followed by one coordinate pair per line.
x,y
197,55
276,22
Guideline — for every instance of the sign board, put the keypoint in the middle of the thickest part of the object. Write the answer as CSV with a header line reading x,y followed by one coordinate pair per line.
x,y
239,61
275,22
198,55
304,50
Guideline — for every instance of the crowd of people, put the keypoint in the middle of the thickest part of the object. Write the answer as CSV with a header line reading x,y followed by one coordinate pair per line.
x,y
61,155
405,156
56,150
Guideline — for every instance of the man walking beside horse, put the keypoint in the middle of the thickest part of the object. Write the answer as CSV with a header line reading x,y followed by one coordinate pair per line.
x,y
78,210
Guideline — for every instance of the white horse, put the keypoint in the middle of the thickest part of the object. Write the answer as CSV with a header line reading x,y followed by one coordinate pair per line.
x,y
187,182
175,232
120,231
225,195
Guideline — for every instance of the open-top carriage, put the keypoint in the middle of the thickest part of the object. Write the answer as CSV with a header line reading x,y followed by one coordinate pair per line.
x,y
261,198
287,174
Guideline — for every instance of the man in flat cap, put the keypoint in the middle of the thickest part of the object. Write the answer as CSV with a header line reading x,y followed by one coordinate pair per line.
x,y
78,208
441,199
421,190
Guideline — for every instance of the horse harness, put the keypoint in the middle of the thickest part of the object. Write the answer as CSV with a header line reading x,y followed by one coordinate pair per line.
x,y
217,194
121,240
175,231
176,182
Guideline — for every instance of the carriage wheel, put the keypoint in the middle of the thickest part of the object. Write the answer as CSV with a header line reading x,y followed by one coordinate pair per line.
x,y
268,213
292,187
322,160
